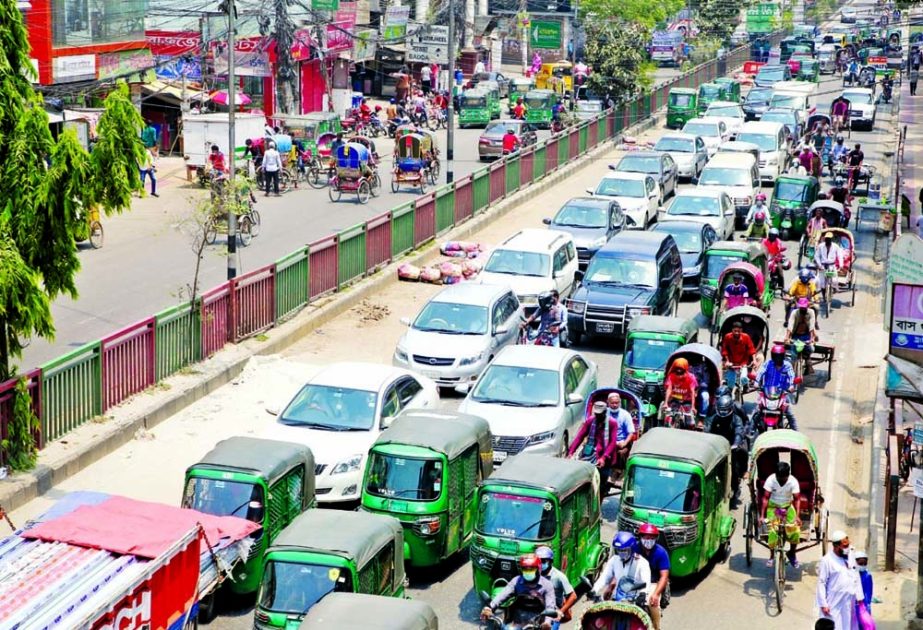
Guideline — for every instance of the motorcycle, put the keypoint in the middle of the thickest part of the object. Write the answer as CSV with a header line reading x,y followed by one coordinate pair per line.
x,y
771,406
778,264
375,127
523,613
534,335
394,123
886,93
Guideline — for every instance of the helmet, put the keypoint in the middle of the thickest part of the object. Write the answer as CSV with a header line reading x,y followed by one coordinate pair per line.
x,y
623,541
378,108
545,300
803,302
761,197
773,231
680,364
839,182
759,217
530,567
544,552
839,139
724,406
648,530
804,275
777,352
786,264
393,101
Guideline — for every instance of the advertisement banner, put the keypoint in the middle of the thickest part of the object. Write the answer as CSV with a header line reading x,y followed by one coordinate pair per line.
x,y
394,25
175,68
906,338
365,45
762,18
339,32
124,64
73,68
252,63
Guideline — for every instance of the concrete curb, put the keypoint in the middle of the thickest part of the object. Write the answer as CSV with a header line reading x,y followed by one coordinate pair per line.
x,y
875,544
60,460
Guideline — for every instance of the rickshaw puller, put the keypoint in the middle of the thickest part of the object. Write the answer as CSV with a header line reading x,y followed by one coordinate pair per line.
x,y
736,294
803,328
529,583
781,491
594,440
778,373
738,352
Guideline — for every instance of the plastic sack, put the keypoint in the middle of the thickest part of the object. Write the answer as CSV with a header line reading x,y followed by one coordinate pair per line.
x,y
450,270
471,268
283,142
406,271
430,274
865,617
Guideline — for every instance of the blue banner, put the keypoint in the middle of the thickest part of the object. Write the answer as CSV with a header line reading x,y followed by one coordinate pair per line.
x,y
172,68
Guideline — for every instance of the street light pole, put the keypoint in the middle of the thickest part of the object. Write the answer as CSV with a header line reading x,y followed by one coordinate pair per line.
x,y
450,117
230,191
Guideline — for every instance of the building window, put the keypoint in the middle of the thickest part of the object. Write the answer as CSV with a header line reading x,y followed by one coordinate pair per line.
x,y
93,22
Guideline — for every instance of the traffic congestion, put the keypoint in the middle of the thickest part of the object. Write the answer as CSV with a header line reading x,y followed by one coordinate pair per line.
x,y
628,415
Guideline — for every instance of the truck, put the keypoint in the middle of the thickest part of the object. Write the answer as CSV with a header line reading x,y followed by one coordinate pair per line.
x,y
667,48
105,562
201,131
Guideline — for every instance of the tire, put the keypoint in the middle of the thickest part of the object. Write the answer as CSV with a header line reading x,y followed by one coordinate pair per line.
x,y
334,193
748,534
778,574
376,185
255,221
97,236
207,608
395,186
364,192
784,234
211,232
245,231
285,181
574,338
314,178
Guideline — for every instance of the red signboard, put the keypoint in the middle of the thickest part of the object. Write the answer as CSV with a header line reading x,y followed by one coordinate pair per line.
x,y
340,31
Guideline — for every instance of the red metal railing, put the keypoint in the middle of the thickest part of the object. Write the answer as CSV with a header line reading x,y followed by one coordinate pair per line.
x,y
323,263
253,302
216,329
464,198
378,241
551,154
573,140
128,362
424,221
526,161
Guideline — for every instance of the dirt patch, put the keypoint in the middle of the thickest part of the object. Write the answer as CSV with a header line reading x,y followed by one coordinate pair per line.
x,y
368,312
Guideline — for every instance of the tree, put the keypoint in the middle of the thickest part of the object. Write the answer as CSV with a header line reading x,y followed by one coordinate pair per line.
x,y
642,13
718,18
44,184
284,36
616,52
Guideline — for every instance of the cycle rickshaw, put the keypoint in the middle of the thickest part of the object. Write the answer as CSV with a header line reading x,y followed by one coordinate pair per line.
x,y
796,449
705,364
834,214
760,294
353,173
431,155
322,165
89,227
755,324
843,276
410,163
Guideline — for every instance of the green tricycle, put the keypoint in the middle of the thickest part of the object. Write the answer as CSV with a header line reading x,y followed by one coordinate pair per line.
x,y
424,471
539,107
265,481
730,89
309,127
492,89
681,107
791,198
340,611
709,92
473,109
649,342
537,500
717,258
809,71
680,481
519,87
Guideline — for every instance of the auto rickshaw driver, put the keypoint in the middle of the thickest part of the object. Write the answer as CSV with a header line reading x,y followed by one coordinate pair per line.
x,y
782,499
529,584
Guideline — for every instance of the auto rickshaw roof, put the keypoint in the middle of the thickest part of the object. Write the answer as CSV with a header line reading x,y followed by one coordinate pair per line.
x,y
709,87
663,325
704,449
322,116
681,90
783,438
556,475
804,180
359,611
357,536
445,432
267,459
751,248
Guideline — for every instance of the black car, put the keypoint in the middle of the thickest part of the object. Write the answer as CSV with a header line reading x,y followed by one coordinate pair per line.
x,y
501,81
692,238
757,102
592,221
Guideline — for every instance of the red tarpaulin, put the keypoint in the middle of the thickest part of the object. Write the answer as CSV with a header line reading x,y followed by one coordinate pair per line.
x,y
138,528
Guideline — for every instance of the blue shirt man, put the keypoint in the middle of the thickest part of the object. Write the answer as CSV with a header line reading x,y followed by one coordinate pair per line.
x,y
779,376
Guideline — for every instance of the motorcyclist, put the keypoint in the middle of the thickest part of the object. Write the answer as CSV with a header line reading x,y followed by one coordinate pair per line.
x,y
887,88
759,205
802,287
839,152
802,327
659,560
681,387
549,319
519,110
564,594
625,562
854,161
730,422
596,440
778,373
510,141
852,72
737,351
529,583
759,228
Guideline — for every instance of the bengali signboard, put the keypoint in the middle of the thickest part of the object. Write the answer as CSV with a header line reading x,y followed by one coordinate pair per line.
x,y
545,34
134,65
429,45
906,336
394,25
762,17
73,68
340,31
250,63
175,68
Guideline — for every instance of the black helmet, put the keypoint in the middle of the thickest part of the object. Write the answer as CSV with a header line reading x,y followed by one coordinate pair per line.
x,y
545,301
724,406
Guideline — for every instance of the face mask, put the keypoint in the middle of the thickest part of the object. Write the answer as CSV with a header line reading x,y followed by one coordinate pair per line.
x,y
862,568
546,567
625,556
529,576
648,543
841,551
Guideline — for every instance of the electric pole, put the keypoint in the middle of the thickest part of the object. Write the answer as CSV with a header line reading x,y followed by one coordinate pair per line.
x,y
230,196
450,117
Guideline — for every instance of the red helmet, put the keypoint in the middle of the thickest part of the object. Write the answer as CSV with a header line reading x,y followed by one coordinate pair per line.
x,y
760,197
778,351
529,561
759,217
680,364
648,530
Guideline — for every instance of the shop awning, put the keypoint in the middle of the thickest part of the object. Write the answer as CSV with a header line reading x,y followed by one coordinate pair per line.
x,y
169,92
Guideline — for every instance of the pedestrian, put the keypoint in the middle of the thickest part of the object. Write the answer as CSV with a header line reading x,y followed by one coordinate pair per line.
x,y
272,164
149,137
147,170
426,78
403,86
914,76
479,67
838,585
865,578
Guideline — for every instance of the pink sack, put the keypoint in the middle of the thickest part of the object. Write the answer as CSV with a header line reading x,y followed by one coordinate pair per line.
x,y
865,617
450,269
430,274
407,271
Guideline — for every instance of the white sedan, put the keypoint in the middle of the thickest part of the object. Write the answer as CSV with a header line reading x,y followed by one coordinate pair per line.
x,y
704,206
713,131
732,114
687,151
638,195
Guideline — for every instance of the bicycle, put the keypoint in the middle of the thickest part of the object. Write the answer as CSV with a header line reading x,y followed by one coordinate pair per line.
x,y
829,289
778,558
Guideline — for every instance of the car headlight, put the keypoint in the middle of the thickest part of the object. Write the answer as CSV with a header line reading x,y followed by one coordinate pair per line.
x,y
538,438
636,311
471,360
400,354
599,242
528,300
576,307
348,465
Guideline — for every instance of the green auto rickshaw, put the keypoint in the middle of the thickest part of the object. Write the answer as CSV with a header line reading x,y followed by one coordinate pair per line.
x,y
809,71
473,109
717,257
680,481
537,500
424,470
309,127
325,551
519,87
492,89
730,89
681,107
539,106
791,198
708,92
265,481
350,611
649,342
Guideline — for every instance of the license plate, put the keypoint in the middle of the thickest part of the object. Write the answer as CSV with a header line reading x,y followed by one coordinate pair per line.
x,y
431,374
499,456
605,327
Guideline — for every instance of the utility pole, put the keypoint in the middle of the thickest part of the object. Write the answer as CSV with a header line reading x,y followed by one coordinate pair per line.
x,y
450,117
230,196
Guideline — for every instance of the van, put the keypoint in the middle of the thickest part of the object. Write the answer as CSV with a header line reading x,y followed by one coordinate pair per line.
x,y
635,273
531,262
736,174
772,141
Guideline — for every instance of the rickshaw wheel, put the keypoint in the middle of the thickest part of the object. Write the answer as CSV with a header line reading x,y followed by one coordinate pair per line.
x,y
422,183
96,238
211,232
394,185
363,192
748,534
852,285
825,537
334,193
376,185
285,180
313,178
802,249
434,172
245,231
779,575
255,221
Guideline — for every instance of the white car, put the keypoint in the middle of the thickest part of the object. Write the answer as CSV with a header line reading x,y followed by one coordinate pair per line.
x,y
687,151
637,194
713,207
732,114
341,411
533,261
533,398
861,107
713,131
458,332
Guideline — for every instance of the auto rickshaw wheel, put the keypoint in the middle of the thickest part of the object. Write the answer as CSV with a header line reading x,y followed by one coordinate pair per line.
x,y
334,193
96,238
211,232
784,234
364,192
244,231
748,533
314,177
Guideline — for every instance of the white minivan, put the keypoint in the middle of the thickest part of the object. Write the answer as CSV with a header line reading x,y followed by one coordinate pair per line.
x,y
772,140
738,175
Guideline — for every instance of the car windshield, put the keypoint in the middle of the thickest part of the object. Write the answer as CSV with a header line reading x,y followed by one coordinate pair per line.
x,y
610,270
688,241
694,206
774,73
638,164
765,141
515,516
706,130
787,100
716,264
518,386
660,489
515,263
780,117
649,354
294,587
499,128
406,478
756,96
452,319
577,215
331,408
221,497
725,177
790,191
862,98
615,187
727,111
681,100
679,145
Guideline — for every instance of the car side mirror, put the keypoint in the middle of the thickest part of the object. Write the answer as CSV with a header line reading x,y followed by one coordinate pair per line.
x,y
463,388
405,321
272,411
578,276
589,191
574,399
652,194
629,221
546,221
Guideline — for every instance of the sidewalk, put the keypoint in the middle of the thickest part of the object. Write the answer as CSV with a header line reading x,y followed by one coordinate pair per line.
x,y
911,117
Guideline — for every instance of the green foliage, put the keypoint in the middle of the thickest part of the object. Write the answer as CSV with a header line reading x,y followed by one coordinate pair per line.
x,y
24,306
19,448
718,18
616,51
642,13
118,152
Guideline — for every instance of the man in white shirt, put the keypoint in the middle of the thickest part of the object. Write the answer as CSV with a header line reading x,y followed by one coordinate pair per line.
x,y
625,562
426,78
838,584
827,254
272,165
479,67
782,494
